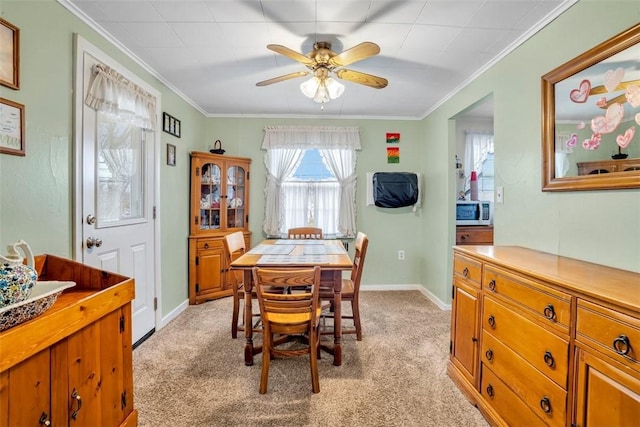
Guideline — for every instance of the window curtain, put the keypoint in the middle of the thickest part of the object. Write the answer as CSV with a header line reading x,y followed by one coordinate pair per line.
x,y
294,140
343,165
477,145
112,93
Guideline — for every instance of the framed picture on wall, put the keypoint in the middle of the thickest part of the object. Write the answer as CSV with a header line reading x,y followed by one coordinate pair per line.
x,y
171,155
12,129
9,55
170,125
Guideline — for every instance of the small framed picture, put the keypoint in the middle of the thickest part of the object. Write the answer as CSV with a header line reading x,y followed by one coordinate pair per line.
x,y
170,125
171,155
11,128
9,55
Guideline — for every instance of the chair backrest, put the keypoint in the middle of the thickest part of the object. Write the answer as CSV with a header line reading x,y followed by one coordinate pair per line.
x,y
362,242
305,233
282,309
234,247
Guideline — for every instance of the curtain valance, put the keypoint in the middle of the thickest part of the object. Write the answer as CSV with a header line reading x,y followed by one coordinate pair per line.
x,y
303,137
112,93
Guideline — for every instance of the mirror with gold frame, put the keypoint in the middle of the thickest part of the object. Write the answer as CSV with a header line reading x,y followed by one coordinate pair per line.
x,y
591,118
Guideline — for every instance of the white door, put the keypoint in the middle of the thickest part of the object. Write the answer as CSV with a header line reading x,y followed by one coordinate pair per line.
x,y
117,193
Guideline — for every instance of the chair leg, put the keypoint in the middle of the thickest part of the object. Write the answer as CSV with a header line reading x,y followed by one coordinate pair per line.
x,y
266,360
355,309
313,356
234,316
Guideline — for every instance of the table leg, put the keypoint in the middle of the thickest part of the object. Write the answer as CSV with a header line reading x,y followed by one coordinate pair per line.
x,y
248,319
337,321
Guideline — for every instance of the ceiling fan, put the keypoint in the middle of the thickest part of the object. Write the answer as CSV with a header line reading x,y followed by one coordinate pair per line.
x,y
322,62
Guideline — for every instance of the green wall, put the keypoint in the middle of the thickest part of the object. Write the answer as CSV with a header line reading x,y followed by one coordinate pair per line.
x,y
36,191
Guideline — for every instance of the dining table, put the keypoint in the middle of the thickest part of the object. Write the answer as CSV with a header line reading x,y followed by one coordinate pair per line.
x,y
329,254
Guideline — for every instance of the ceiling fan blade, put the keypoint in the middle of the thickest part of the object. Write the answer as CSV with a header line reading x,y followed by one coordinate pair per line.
x,y
355,54
362,78
283,50
282,78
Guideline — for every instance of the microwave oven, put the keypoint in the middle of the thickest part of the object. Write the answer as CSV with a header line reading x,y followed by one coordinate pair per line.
x,y
474,212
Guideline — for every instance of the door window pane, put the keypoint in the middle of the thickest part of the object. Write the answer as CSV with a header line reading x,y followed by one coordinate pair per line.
x,y
119,171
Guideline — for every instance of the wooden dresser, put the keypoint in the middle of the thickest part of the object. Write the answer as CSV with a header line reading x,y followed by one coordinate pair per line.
x,y
538,339
73,364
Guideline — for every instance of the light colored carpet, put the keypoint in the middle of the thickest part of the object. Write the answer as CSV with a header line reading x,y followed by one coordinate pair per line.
x,y
192,373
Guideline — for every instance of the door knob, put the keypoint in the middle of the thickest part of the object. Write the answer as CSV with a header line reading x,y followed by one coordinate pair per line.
x,y
92,241
91,219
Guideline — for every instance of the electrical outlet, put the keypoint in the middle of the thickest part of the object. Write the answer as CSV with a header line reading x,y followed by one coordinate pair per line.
x,y
401,255
500,195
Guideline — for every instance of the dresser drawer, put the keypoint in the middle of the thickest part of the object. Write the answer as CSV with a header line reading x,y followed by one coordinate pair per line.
x,y
468,269
608,331
547,399
204,244
541,348
474,235
549,304
510,407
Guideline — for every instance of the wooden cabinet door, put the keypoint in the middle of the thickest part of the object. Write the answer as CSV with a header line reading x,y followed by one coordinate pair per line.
x,y
464,340
29,383
209,271
605,395
84,387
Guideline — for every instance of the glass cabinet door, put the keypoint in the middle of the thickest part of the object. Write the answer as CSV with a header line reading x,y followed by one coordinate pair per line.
x,y
235,197
210,196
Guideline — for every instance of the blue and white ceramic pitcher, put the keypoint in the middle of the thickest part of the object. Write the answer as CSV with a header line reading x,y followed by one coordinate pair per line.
x,y
16,279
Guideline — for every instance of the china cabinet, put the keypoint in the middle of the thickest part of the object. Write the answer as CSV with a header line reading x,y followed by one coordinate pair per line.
x,y
540,339
73,364
219,199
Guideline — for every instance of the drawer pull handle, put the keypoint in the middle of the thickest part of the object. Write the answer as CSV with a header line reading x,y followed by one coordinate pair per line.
x,y
465,272
548,359
492,321
490,390
206,246
621,345
549,312
545,404
489,355
76,396
44,419
492,285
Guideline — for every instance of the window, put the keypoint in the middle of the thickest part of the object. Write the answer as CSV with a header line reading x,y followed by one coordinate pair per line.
x,y
479,158
311,195
311,179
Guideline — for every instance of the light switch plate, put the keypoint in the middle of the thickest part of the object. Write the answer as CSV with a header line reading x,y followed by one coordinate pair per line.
x,y
500,195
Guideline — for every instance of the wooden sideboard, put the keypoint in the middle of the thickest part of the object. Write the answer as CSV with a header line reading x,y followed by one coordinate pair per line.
x,y
73,364
543,340
474,235
607,166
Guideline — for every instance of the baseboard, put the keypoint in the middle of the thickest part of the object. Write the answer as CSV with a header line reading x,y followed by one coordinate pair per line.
x,y
430,296
173,314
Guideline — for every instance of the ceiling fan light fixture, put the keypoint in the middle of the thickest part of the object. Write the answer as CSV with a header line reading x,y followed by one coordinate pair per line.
x,y
334,87
310,87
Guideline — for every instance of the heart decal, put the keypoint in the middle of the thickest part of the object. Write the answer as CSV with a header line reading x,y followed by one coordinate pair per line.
x,y
613,78
581,94
592,143
602,102
633,95
572,141
624,139
610,121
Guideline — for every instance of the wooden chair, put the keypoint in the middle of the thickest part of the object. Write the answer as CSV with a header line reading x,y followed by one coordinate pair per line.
x,y
351,288
288,315
234,247
305,233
